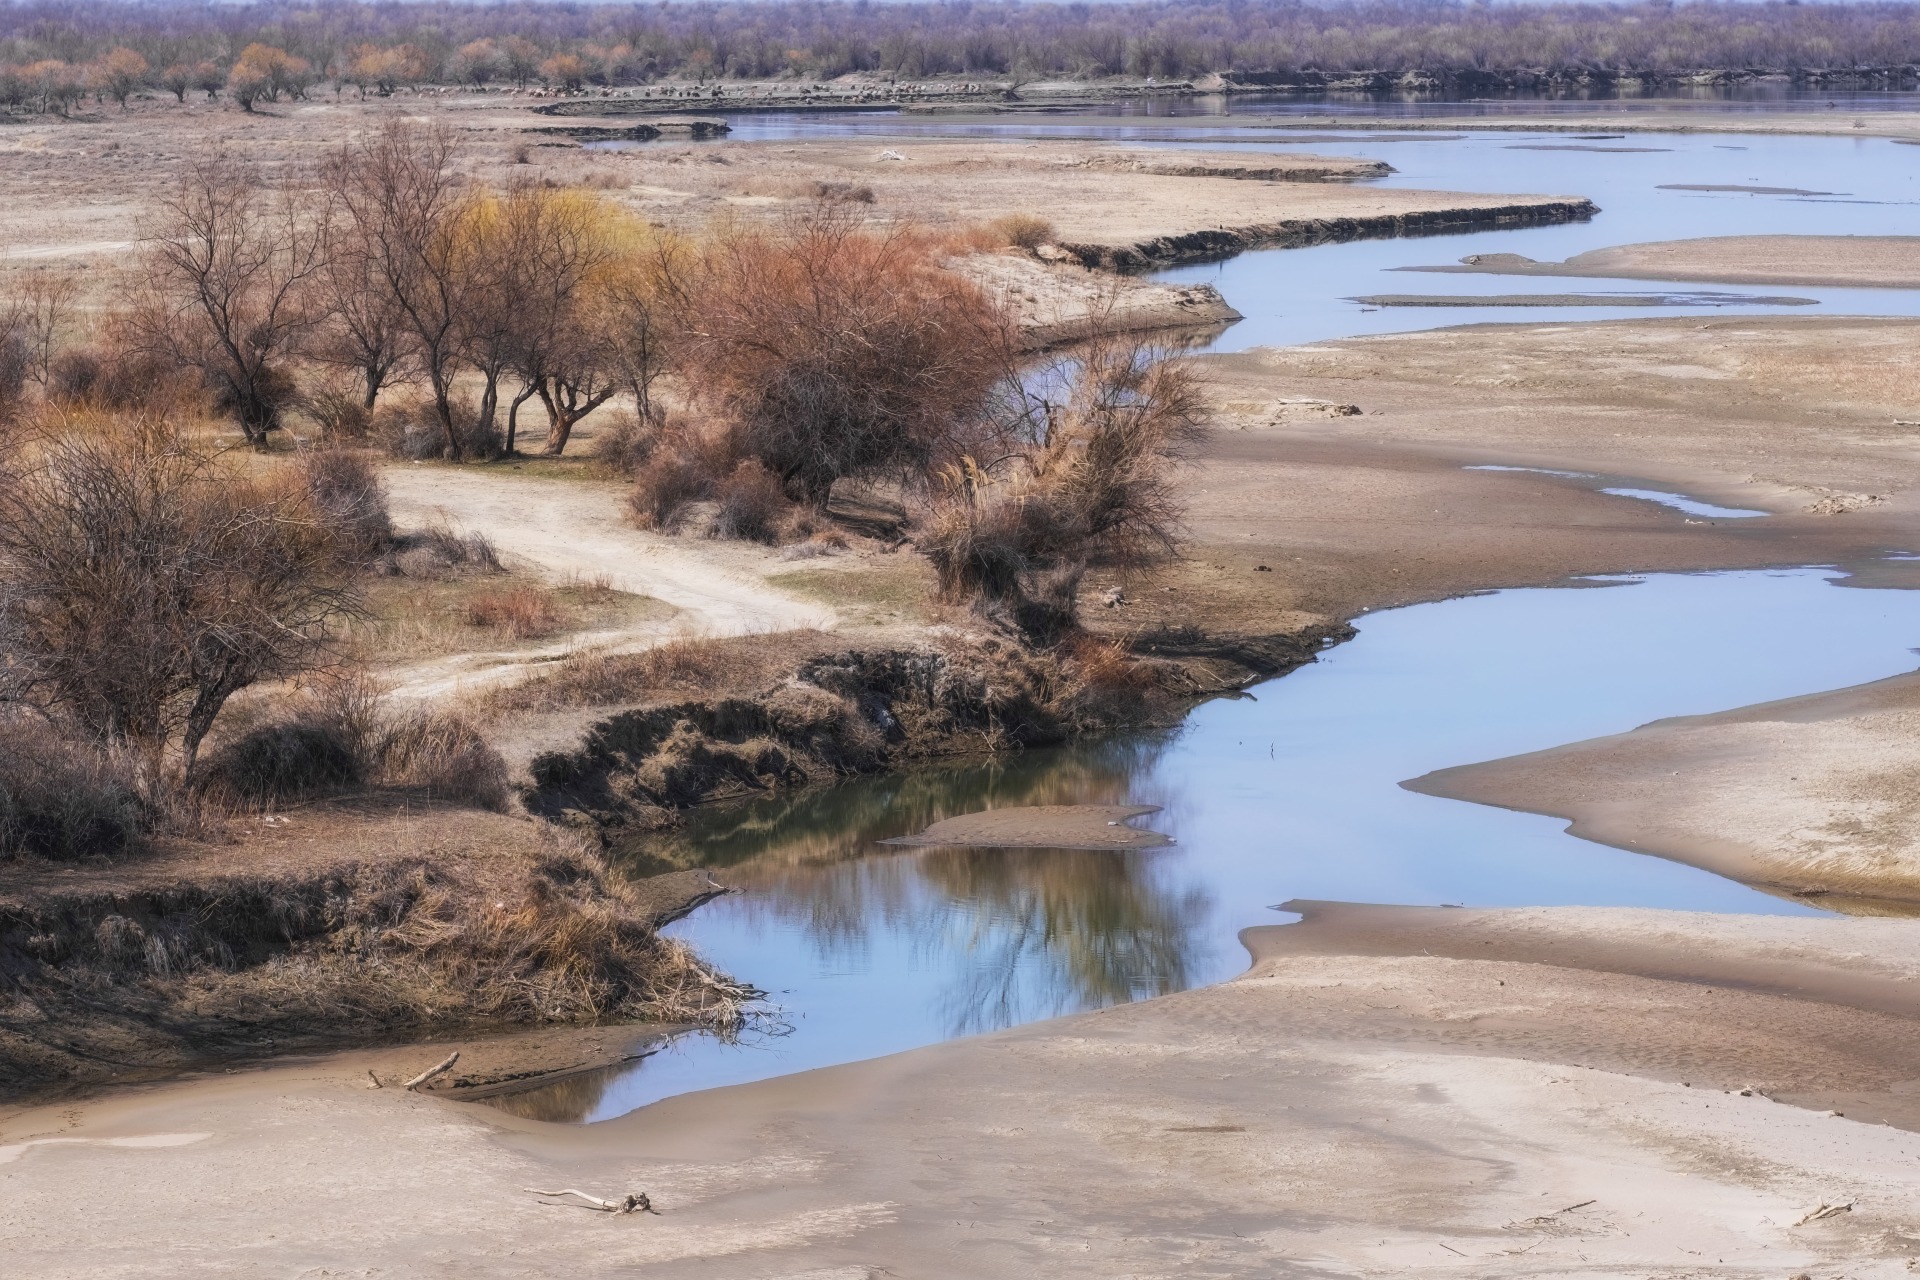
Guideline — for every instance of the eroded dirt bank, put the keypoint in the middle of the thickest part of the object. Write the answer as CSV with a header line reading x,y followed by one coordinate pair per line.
x,y
1388,1091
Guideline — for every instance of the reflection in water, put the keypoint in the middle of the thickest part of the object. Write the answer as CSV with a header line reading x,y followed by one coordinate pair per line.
x,y
1019,933
808,828
1099,927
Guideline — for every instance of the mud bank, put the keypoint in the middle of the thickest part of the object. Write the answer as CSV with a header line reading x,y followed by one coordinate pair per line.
x,y
1223,242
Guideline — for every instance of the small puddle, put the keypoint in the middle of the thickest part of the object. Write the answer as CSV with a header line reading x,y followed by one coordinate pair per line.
x,y
870,949
1677,501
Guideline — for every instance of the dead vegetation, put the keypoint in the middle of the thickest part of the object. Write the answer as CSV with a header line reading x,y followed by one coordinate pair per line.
x,y
1091,485
205,969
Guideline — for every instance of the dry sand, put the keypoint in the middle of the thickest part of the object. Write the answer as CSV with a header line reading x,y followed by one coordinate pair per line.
x,y
1859,262
1047,826
1389,1092
1817,797
1357,511
80,189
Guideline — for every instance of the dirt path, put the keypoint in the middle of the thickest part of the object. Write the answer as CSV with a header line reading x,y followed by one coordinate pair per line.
x,y
577,528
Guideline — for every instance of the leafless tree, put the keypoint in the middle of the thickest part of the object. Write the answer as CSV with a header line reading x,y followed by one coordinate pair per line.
x,y
230,286
38,311
143,586
398,191
365,329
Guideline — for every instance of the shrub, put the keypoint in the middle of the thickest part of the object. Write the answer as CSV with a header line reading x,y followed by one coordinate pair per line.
x,y
685,466
446,756
113,379
624,443
282,762
347,491
751,504
411,430
1094,486
438,552
524,612
64,799
847,192
1021,231
828,349
339,410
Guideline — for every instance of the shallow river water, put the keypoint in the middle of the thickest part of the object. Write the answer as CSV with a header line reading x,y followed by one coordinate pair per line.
x,y
1290,793
1294,791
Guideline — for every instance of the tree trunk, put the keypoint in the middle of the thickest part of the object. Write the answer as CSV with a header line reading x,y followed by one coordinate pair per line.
x,y
513,414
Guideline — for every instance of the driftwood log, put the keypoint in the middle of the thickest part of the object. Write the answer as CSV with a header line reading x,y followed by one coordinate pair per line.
x,y
435,1072
635,1202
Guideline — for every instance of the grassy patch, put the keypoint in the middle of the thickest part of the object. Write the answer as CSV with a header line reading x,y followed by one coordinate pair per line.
x,y
897,589
410,618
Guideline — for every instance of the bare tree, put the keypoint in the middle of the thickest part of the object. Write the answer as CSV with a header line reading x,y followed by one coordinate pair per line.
x,y
365,328
143,586
560,250
399,193
38,312
231,270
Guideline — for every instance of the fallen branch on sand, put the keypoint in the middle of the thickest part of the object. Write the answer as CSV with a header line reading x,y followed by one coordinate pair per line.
x,y
433,1073
1825,1211
634,1203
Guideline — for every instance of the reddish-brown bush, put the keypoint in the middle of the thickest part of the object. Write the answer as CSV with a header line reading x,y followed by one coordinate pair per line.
x,y
750,504
523,611
830,349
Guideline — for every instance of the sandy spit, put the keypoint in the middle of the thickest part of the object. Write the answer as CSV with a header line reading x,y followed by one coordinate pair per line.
x,y
1816,797
1046,826
1856,262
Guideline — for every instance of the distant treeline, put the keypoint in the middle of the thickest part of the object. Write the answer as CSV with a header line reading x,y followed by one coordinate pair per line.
x,y
533,41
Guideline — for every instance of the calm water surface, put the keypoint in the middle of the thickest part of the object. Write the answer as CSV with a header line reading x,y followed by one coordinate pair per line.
x,y
1293,792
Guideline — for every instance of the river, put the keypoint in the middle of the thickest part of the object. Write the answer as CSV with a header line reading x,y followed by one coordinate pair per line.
x,y
1292,792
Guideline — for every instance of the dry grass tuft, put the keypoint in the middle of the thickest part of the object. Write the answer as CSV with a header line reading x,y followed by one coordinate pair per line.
x,y
524,612
689,666
62,799
340,737
1019,231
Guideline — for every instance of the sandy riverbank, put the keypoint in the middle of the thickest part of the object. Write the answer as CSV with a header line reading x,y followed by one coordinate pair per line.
x,y
1387,1092
1857,262
1815,797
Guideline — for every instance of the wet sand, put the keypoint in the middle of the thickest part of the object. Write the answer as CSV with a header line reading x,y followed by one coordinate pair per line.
x,y
1387,1092
1858,262
1815,797
1049,826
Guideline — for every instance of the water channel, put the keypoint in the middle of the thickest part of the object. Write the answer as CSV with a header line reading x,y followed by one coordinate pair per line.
x,y
1293,792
